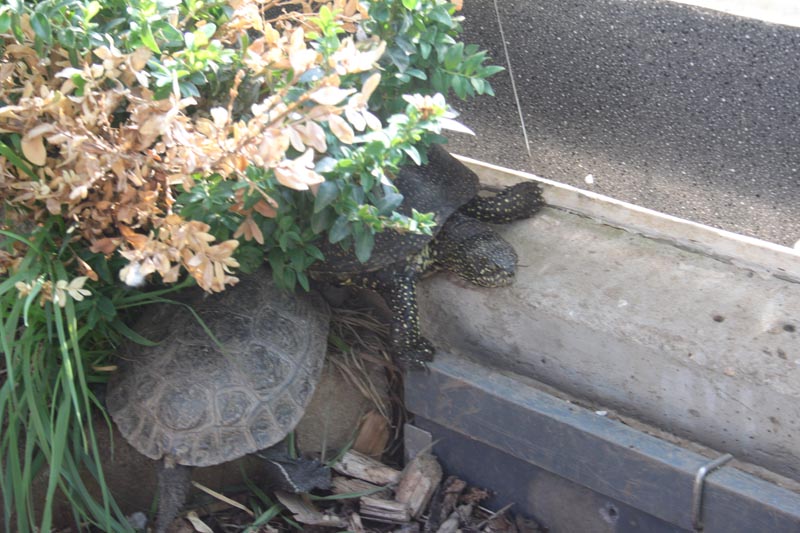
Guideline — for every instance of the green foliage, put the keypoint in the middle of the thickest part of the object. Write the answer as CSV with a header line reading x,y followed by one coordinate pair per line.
x,y
46,400
423,54
63,310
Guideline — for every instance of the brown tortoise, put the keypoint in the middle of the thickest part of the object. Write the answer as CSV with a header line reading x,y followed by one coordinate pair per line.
x,y
192,402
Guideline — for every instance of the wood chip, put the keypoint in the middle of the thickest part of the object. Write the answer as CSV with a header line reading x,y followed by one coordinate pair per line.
x,y
349,485
474,495
373,435
450,525
418,482
384,510
358,465
444,502
455,519
355,525
413,527
497,522
305,512
453,489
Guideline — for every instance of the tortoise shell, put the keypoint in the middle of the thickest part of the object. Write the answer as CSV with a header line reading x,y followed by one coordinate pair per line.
x,y
440,187
202,403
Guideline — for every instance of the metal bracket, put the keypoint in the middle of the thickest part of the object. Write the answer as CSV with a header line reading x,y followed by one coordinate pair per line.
x,y
697,491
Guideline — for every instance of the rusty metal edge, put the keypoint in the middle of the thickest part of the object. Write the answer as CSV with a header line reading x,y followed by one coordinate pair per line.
x,y
601,454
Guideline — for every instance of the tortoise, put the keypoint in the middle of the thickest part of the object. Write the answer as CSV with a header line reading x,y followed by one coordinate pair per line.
x,y
190,401
462,242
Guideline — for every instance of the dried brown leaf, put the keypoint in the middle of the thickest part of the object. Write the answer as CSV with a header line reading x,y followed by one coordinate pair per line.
x,y
330,95
305,512
341,129
250,230
197,524
137,240
34,150
106,246
222,498
265,210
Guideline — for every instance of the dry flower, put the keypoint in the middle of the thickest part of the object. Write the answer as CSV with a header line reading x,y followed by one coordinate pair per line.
x,y
73,289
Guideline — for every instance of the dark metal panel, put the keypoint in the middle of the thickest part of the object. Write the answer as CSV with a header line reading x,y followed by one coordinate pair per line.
x,y
601,454
556,503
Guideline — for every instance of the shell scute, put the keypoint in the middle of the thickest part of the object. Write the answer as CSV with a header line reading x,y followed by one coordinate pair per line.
x,y
233,406
283,411
263,427
264,369
183,409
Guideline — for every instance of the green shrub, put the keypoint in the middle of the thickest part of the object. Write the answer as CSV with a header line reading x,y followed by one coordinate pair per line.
x,y
177,142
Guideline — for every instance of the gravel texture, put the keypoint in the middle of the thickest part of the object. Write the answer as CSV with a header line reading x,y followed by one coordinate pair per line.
x,y
680,109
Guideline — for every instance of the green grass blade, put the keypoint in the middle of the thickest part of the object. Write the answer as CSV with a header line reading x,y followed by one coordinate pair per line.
x,y
20,238
138,298
56,460
16,160
15,471
68,370
28,301
260,494
264,517
120,327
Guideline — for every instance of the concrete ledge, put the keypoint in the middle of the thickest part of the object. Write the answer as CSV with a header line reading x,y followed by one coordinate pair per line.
x,y
671,330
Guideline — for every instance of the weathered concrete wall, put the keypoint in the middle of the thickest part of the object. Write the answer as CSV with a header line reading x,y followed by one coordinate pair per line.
x,y
682,340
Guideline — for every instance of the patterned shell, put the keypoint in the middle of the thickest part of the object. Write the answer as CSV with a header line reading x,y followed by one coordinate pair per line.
x,y
440,187
188,399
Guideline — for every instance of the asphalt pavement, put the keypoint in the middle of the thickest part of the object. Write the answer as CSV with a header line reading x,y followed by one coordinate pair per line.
x,y
676,108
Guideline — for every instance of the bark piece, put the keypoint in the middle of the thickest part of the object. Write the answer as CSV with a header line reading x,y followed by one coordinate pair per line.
x,y
413,527
354,523
384,510
305,513
373,435
498,522
349,485
455,519
444,502
358,465
419,481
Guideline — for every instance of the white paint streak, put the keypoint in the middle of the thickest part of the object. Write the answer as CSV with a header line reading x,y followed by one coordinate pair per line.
x,y
786,12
